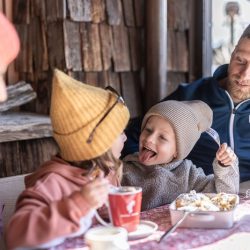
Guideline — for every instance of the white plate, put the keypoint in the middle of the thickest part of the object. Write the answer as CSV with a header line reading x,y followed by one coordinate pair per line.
x,y
145,228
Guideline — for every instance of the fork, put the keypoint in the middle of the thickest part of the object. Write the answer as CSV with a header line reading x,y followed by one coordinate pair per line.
x,y
214,134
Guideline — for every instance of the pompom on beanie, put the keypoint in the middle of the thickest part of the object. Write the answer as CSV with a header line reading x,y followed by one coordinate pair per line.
x,y
76,109
188,119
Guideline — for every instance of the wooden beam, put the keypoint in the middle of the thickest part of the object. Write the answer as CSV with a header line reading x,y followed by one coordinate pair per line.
x,y
24,126
156,51
18,94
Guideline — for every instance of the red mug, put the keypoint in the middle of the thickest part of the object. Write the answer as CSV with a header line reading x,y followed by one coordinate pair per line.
x,y
124,205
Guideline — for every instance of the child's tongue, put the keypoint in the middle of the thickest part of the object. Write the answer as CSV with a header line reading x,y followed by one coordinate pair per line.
x,y
145,155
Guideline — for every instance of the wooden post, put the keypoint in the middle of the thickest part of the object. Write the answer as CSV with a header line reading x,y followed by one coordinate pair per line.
x,y
156,52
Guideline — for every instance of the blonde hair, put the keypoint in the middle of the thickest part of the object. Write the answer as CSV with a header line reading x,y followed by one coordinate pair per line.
x,y
105,162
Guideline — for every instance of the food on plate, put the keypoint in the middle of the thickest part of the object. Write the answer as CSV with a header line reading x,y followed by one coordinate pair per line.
x,y
203,202
224,201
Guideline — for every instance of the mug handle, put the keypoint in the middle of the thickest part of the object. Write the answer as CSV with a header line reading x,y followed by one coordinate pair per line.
x,y
98,217
100,220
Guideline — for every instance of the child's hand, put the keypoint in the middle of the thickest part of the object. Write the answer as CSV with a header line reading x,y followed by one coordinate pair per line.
x,y
96,192
225,155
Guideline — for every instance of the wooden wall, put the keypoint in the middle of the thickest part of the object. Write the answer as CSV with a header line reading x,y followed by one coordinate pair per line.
x,y
99,42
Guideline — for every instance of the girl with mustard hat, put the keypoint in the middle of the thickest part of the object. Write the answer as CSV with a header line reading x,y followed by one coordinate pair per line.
x,y
60,197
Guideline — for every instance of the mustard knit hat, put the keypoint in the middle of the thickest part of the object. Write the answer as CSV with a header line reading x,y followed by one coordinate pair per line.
x,y
76,108
188,119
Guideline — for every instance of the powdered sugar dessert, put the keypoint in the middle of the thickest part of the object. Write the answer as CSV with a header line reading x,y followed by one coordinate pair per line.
x,y
201,202
225,201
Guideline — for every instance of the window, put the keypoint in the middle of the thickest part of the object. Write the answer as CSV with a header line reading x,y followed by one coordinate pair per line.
x,y
229,19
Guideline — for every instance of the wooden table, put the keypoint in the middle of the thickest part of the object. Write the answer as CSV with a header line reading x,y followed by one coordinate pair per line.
x,y
236,237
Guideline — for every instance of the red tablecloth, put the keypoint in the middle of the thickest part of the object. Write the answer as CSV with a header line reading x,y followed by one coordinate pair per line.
x,y
182,238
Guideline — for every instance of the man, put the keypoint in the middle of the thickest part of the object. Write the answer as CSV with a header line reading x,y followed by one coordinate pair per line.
x,y
227,92
9,48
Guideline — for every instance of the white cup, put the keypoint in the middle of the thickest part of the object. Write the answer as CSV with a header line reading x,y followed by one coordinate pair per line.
x,y
107,238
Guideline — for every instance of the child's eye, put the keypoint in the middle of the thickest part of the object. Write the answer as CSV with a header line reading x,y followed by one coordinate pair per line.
x,y
163,138
148,130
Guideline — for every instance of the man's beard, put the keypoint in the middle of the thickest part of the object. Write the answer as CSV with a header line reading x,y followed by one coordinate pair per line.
x,y
236,92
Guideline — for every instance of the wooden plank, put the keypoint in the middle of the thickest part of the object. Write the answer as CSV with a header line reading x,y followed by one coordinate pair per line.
x,y
171,14
91,47
121,49
80,10
39,9
22,59
55,45
29,49
179,17
91,78
106,45
114,81
174,80
42,148
139,6
182,52
21,11
24,126
18,94
136,47
12,75
78,75
10,159
128,12
51,11
72,45
61,9
98,11
114,11
131,92
45,60
43,82
22,157
103,79
177,51
99,79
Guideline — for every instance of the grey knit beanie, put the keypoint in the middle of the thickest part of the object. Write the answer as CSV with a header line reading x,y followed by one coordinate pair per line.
x,y
188,119
246,32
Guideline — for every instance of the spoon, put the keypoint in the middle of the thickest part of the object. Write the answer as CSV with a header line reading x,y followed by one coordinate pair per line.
x,y
172,229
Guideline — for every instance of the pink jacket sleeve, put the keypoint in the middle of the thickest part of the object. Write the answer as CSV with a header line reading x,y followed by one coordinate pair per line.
x,y
48,210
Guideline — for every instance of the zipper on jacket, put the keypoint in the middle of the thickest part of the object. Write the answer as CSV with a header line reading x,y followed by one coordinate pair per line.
x,y
231,120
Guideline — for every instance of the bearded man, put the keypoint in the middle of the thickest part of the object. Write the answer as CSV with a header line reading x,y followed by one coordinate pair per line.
x,y
227,92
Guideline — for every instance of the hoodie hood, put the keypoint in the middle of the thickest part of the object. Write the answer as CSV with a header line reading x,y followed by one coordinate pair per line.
x,y
57,166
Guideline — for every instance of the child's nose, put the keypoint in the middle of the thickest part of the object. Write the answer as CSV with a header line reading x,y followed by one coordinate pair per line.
x,y
150,138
